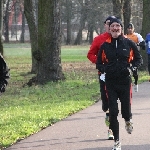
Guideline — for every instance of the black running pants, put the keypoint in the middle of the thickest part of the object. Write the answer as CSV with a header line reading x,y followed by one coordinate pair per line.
x,y
123,92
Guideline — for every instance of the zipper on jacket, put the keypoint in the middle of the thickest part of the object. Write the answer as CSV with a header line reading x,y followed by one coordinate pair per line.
x,y
116,49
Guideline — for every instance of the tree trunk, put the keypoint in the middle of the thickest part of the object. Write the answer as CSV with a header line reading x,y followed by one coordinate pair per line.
x,y
91,23
6,23
78,39
1,25
68,11
22,28
122,9
29,13
49,42
127,13
118,8
90,31
145,30
16,21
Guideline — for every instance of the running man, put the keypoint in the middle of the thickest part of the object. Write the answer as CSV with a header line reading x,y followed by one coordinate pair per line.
x,y
92,56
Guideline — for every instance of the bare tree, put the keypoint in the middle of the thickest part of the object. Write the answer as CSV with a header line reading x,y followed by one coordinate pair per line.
x,y
122,10
23,22
30,16
22,28
118,8
127,13
68,12
6,21
78,39
49,41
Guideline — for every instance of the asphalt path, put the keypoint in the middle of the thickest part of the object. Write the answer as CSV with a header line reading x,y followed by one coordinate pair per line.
x,y
86,129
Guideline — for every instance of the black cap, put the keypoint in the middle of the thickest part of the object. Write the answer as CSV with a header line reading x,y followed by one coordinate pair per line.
x,y
116,20
130,25
109,18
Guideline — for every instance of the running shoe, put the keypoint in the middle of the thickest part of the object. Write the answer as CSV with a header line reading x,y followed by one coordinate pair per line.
x,y
129,126
117,146
110,135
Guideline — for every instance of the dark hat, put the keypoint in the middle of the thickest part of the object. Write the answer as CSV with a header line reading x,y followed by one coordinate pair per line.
x,y
116,20
130,25
109,18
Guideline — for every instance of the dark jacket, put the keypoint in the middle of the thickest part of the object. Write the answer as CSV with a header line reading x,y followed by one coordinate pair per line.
x,y
4,74
116,56
147,40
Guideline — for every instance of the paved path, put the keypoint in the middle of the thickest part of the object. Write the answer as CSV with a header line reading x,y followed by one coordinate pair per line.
x,y
86,130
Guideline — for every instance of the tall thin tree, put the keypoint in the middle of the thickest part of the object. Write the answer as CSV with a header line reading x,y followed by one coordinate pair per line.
x,y
122,9
23,23
31,20
118,8
6,22
68,12
127,13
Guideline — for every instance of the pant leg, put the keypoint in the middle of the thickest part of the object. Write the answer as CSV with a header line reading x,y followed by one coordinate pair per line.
x,y
125,99
104,95
113,109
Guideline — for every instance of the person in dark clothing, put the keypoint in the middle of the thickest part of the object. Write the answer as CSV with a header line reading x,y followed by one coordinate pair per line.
x,y
4,74
117,57
92,56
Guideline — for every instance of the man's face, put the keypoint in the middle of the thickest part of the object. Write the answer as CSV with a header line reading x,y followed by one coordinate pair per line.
x,y
115,29
106,26
130,30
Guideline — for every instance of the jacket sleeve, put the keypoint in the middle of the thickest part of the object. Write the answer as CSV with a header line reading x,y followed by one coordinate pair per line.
x,y
137,58
142,45
140,38
4,74
93,52
100,64
146,40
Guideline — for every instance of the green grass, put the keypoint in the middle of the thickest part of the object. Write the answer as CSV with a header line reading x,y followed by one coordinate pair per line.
x,y
68,53
27,110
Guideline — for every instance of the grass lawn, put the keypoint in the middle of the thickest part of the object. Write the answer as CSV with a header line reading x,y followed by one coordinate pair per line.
x,y
27,110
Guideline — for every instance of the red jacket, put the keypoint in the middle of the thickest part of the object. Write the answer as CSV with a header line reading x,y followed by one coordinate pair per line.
x,y
95,46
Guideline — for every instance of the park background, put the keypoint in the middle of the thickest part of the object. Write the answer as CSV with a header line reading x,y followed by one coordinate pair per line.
x,y
45,44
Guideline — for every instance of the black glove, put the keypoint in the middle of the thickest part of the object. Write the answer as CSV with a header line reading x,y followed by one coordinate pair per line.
x,y
102,70
142,45
135,74
134,70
